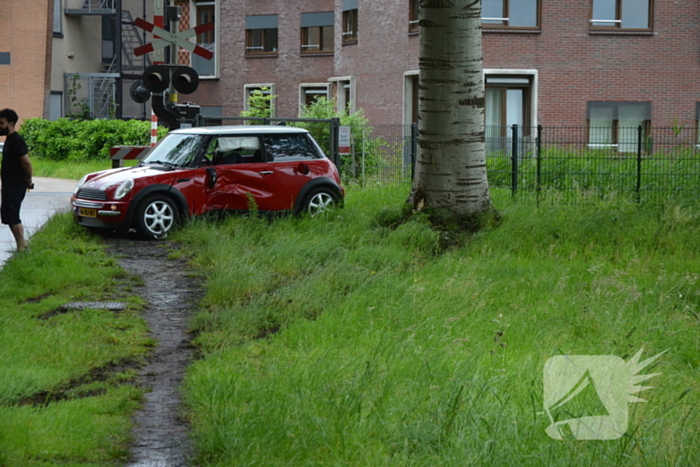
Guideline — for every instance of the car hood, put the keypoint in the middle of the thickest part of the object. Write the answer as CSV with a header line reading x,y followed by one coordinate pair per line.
x,y
107,178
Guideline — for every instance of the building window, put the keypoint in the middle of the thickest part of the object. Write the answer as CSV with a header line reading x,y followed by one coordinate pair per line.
x,y
621,14
410,97
510,13
508,103
309,93
344,93
615,124
5,58
205,12
56,105
268,89
57,18
317,32
108,41
413,16
261,35
349,21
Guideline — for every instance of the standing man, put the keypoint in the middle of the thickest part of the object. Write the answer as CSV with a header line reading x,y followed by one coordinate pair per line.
x,y
16,175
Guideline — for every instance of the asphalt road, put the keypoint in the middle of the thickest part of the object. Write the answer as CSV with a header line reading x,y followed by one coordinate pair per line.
x,y
49,196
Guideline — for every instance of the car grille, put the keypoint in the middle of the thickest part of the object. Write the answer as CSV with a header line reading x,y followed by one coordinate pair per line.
x,y
96,195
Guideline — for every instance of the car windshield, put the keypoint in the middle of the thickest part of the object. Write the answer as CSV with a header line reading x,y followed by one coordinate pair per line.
x,y
175,150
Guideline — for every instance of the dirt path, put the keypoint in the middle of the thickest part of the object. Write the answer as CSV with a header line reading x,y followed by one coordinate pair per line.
x,y
160,434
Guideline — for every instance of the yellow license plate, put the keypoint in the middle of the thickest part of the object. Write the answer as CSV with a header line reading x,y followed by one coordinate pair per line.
x,y
88,212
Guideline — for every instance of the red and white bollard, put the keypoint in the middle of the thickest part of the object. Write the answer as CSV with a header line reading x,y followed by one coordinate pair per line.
x,y
154,129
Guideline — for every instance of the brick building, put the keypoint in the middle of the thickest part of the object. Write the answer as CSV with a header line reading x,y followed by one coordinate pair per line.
x,y
609,63
25,56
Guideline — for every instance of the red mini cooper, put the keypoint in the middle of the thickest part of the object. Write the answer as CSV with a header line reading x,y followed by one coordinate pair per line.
x,y
198,170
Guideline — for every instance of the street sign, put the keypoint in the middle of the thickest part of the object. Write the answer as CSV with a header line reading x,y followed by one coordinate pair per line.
x,y
344,140
166,38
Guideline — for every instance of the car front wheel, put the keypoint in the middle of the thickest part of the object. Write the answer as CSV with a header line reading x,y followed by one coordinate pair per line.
x,y
320,201
156,216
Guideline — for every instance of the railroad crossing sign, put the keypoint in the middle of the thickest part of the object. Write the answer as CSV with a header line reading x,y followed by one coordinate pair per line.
x,y
166,38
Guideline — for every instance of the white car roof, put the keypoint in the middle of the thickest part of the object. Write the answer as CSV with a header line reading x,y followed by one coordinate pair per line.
x,y
239,130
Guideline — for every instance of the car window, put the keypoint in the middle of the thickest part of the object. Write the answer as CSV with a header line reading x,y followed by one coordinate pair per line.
x,y
226,150
295,147
175,150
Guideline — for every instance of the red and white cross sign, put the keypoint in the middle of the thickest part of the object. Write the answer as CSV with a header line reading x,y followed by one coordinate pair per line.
x,y
167,38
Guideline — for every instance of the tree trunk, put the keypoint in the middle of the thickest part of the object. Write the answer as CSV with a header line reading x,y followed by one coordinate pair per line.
x,y
450,174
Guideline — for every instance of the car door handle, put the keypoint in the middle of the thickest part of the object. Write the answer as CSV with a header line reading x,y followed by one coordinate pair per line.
x,y
266,172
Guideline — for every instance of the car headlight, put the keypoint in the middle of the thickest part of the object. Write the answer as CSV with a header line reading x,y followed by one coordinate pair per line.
x,y
124,189
79,185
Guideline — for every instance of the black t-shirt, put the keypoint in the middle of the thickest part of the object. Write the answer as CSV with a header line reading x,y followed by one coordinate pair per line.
x,y
12,172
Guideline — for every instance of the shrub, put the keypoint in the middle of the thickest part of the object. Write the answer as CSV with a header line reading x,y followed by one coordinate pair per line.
x,y
80,141
323,108
259,104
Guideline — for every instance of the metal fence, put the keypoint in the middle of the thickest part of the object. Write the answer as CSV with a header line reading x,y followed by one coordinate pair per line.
x,y
90,95
551,164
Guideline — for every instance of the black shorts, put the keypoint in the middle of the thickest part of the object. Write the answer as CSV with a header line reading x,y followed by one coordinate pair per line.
x,y
10,204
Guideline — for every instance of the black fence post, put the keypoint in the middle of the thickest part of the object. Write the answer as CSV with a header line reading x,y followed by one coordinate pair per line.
x,y
266,121
639,163
414,148
514,160
334,124
538,148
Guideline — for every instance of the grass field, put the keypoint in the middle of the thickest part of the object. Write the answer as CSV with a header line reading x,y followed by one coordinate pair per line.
x,y
352,340
357,340
67,377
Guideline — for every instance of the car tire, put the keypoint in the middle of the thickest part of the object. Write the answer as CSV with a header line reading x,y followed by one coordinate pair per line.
x,y
156,216
319,201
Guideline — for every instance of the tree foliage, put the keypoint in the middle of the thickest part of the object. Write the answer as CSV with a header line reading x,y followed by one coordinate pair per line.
x,y
367,150
259,103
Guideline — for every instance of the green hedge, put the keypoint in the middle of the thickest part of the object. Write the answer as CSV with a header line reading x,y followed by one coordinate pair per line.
x,y
80,141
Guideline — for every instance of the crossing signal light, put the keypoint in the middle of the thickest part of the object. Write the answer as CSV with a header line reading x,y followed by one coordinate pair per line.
x,y
156,78
138,92
185,80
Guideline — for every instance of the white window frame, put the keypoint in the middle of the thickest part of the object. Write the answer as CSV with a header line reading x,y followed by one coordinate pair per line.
x,y
533,75
302,92
337,82
217,35
408,95
248,88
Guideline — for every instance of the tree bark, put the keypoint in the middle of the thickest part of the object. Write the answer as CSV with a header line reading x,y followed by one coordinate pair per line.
x,y
450,173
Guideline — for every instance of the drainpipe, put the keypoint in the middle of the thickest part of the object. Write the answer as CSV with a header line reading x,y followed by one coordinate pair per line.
x,y
119,94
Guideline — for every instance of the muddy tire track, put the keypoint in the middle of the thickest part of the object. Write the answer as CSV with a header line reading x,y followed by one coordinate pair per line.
x,y
161,434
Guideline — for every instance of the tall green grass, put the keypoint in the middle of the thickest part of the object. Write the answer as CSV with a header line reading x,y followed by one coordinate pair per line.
x,y
351,340
67,377
659,178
